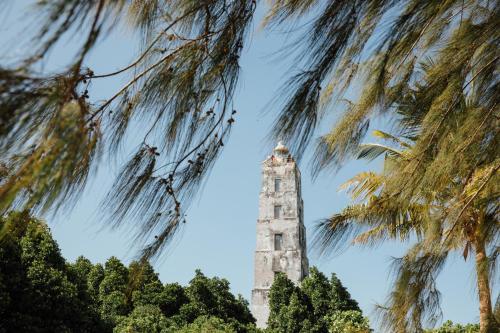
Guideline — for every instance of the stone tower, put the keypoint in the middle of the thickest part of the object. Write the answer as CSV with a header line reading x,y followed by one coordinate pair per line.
x,y
281,235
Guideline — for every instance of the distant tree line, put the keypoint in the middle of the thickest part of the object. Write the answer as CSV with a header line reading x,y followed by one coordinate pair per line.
x,y
449,327
41,292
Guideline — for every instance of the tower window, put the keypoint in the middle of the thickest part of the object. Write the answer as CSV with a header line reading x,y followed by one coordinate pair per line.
x,y
278,242
277,184
277,211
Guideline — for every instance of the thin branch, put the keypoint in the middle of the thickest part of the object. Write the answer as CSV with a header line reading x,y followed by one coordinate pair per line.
x,y
135,79
473,136
91,37
146,51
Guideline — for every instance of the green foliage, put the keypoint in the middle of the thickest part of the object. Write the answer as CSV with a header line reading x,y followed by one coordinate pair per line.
x,y
206,324
96,275
143,319
173,297
318,305
349,321
317,287
279,295
40,292
449,327
147,287
112,291
341,299
212,297
294,317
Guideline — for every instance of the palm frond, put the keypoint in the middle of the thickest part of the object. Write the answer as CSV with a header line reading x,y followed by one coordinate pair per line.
x,y
371,151
363,185
386,136
414,300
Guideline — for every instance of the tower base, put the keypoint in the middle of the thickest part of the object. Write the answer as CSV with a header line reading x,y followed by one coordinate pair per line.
x,y
260,306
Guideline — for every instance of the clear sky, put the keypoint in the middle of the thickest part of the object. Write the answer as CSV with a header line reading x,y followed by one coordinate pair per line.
x,y
219,237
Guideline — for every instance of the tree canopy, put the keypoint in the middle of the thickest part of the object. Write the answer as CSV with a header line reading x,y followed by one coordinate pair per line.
x,y
317,305
41,292
377,215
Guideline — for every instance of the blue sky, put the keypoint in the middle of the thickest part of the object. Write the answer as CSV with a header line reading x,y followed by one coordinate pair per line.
x,y
219,237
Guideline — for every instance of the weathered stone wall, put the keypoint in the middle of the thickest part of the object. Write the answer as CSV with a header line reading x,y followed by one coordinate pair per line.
x,y
292,258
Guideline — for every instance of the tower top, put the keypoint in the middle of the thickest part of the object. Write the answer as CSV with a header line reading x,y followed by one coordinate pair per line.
x,y
281,148
281,153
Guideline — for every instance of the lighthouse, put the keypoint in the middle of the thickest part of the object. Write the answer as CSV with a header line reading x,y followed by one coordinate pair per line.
x,y
281,235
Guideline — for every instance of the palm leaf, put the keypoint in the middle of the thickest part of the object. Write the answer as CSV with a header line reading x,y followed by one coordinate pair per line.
x,y
371,151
